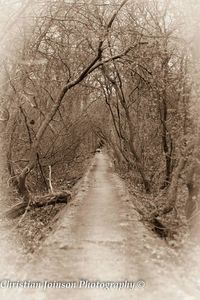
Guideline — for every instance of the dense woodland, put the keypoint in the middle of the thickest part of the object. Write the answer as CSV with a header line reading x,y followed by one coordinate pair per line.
x,y
119,75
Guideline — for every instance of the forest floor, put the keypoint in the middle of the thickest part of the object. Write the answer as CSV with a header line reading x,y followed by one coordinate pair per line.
x,y
99,238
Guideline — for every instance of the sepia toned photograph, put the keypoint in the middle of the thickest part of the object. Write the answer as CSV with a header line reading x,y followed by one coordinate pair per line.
x,y
100,149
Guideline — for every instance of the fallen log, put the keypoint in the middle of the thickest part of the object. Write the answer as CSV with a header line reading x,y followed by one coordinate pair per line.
x,y
51,199
43,201
16,211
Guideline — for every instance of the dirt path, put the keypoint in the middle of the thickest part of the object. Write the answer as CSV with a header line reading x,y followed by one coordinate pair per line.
x,y
99,238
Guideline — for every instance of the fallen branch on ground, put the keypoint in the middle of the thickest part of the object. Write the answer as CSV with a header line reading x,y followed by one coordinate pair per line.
x,y
49,199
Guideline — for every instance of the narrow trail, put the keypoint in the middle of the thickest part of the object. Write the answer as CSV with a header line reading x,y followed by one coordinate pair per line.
x,y
99,238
